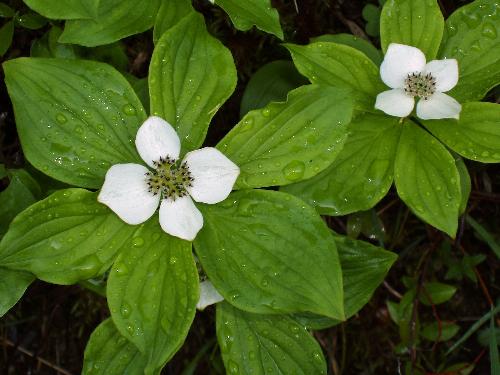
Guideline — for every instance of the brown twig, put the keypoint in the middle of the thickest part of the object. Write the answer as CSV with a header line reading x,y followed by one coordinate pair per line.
x,y
39,359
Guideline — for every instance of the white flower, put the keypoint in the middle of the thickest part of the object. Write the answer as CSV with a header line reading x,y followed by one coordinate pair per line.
x,y
405,71
208,295
134,192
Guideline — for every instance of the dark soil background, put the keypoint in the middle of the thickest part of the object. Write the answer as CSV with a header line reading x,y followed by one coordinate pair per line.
x,y
46,332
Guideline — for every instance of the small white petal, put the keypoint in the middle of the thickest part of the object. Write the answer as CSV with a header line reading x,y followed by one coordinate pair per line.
x,y
438,106
180,218
445,72
125,191
208,295
399,61
214,175
395,103
156,138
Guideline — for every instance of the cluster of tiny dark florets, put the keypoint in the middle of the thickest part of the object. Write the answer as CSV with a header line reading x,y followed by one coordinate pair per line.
x,y
421,85
170,178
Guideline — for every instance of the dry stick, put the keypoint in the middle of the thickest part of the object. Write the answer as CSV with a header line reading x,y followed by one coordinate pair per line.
x,y
39,359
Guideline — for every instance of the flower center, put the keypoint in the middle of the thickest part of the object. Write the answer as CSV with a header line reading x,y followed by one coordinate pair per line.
x,y
170,178
418,84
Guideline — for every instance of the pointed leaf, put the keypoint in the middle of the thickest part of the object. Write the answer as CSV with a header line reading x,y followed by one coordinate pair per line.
x,y
341,66
6,34
65,9
358,43
13,284
191,75
246,14
362,173
65,238
427,178
267,252
258,344
152,293
435,293
415,23
169,15
116,19
473,38
288,142
364,268
75,118
475,136
109,353
442,331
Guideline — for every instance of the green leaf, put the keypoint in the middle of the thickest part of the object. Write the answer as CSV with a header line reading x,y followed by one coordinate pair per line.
x,y
475,136
271,83
288,142
473,38
31,21
13,284
22,191
75,118
435,293
65,238
427,178
364,267
267,252
246,14
116,19
109,353
6,33
191,75
484,235
171,12
465,184
439,332
49,46
341,66
257,344
65,9
371,14
360,44
152,293
415,23
6,11
362,173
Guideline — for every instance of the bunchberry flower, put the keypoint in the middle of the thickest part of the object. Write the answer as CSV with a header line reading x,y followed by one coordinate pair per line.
x,y
404,69
134,192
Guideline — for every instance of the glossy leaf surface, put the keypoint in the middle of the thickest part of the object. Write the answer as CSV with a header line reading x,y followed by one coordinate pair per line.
x,y
362,173
268,252
259,344
152,293
427,178
191,75
75,118
288,142
415,23
65,238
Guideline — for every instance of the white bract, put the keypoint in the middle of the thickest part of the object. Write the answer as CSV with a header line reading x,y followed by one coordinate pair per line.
x,y
404,69
134,192
208,295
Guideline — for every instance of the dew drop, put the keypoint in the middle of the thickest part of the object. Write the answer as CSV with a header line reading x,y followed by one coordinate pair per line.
x,y
294,170
489,31
129,110
125,310
137,241
61,119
